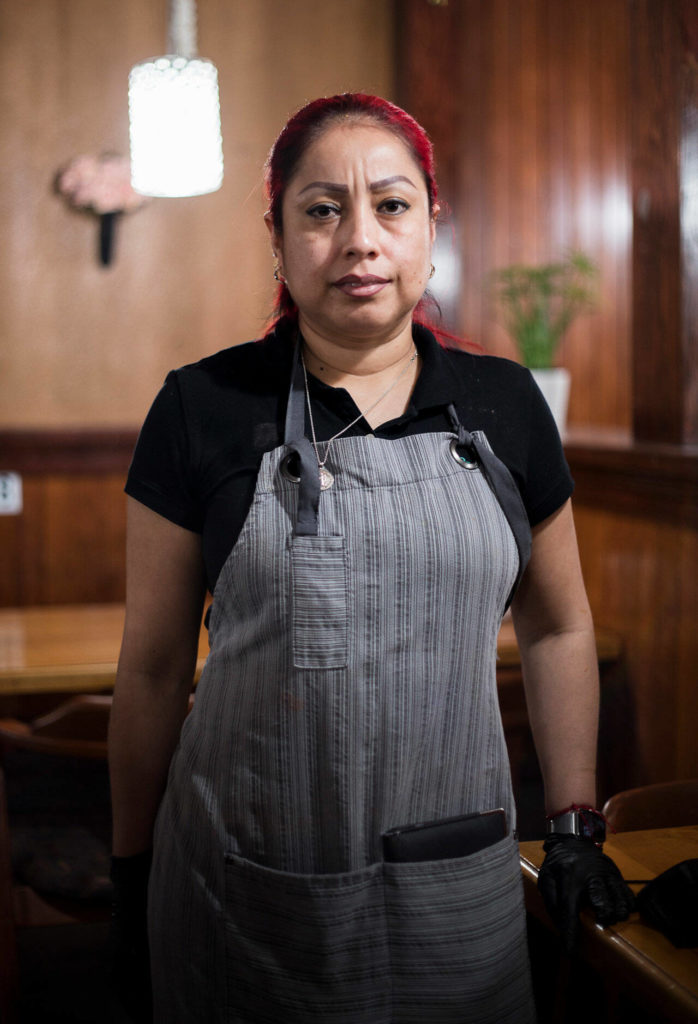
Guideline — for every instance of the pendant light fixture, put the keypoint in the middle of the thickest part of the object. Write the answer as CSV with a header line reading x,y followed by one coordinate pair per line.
x,y
174,116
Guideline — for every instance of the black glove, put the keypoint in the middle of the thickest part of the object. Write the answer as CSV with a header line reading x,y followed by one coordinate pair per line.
x,y
130,966
576,872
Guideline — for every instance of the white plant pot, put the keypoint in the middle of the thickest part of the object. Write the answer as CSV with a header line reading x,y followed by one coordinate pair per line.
x,y
555,385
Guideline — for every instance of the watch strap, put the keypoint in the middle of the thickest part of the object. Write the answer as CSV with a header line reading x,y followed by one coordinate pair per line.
x,y
583,822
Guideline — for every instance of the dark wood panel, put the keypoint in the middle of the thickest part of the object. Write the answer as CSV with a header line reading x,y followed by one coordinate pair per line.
x,y
536,154
689,213
641,579
441,40
649,480
657,321
68,545
66,451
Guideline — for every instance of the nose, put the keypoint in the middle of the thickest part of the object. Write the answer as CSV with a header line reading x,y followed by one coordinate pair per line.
x,y
360,232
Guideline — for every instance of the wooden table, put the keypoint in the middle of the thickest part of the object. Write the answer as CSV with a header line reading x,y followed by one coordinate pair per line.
x,y
63,648
633,956
75,648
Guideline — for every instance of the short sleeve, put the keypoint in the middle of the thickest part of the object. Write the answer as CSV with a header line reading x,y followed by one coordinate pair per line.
x,y
548,481
160,475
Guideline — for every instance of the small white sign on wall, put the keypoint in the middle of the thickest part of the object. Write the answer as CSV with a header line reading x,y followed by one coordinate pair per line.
x,y
10,494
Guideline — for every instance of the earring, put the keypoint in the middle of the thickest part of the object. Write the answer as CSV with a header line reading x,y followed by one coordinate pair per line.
x,y
432,271
278,276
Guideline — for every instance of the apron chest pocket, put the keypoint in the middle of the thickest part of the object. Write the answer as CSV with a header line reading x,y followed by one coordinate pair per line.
x,y
319,602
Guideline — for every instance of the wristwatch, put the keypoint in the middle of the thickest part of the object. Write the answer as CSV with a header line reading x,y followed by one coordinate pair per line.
x,y
585,824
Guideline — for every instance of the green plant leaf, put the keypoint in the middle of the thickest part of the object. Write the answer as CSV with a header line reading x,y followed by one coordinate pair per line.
x,y
540,302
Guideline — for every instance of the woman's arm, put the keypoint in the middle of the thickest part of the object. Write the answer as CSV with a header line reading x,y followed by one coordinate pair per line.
x,y
555,633
558,654
165,589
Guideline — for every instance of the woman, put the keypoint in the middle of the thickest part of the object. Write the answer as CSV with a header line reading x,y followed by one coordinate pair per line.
x,y
359,500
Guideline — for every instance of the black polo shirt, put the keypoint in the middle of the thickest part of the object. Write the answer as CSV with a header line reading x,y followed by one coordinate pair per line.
x,y
200,448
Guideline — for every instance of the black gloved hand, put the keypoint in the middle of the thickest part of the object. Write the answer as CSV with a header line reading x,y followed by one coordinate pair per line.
x,y
576,872
129,936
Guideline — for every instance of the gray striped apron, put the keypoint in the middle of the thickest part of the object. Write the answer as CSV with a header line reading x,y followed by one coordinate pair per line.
x,y
350,688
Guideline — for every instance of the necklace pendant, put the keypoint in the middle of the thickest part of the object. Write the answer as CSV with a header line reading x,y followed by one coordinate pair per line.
x,y
326,478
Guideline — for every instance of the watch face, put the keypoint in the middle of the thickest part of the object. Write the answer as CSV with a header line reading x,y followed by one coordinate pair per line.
x,y
592,827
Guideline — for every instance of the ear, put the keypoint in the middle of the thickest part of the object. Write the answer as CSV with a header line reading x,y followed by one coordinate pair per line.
x,y
273,233
434,217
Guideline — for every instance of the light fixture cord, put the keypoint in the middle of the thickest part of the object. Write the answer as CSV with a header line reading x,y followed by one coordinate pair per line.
x,y
182,29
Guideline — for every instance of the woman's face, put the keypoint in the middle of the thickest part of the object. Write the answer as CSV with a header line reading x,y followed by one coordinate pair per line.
x,y
357,235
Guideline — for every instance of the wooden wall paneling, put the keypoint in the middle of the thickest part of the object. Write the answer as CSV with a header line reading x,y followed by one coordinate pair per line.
x,y
665,263
541,165
11,573
423,93
688,171
68,544
656,264
641,583
611,83
579,169
495,187
636,509
686,656
470,159
85,346
85,533
589,93
529,127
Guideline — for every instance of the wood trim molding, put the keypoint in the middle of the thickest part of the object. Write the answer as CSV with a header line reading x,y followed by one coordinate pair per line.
x,y
609,468
634,477
67,451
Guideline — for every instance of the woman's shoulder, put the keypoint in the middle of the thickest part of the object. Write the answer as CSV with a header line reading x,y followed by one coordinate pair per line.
x,y
489,381
487,367
469,360
252,366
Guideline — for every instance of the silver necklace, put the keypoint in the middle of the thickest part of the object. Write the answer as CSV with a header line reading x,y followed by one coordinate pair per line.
x,y
326,478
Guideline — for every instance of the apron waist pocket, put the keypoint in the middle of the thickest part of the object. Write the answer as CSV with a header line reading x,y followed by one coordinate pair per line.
x,y
391,943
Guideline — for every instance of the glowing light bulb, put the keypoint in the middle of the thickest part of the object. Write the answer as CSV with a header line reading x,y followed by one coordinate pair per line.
x,y
175,127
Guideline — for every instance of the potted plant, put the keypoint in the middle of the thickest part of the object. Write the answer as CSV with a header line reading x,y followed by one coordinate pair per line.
x,y
539,304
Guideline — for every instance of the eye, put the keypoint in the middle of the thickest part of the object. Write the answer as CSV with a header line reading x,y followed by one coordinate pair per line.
x,y
393,207
323,211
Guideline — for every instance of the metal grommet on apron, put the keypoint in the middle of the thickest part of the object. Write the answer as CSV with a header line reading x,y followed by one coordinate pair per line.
x,y
287,466
469,461
350,688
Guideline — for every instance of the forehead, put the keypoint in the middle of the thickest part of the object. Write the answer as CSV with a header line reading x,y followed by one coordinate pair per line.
x,y
342,148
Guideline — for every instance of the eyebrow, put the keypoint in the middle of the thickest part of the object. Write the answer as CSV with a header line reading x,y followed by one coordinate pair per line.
x,y
375,186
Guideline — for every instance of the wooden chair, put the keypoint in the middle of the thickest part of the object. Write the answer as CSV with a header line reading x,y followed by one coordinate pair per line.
x,y
9,984
663,805
77,728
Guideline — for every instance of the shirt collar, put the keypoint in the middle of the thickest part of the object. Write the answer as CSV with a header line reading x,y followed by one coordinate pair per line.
x,y
437,385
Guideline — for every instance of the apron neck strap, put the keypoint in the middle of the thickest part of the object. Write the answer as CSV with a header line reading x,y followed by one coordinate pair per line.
x,y
296,441
295,407
504,488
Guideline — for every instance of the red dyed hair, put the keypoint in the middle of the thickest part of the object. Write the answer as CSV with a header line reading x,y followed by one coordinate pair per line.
x,y
306,126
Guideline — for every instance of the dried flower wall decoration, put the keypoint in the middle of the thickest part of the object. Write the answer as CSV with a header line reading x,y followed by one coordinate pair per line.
x,y
100,185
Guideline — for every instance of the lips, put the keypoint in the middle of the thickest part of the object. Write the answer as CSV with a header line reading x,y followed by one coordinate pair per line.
x,y
361,286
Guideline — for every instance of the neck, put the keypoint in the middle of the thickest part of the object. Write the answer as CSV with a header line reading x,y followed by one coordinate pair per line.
x,y
338,363
367,372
